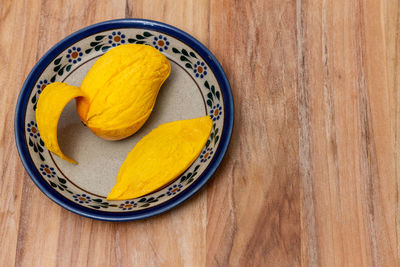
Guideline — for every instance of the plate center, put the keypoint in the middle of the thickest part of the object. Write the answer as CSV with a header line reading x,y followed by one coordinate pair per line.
x,y
99,160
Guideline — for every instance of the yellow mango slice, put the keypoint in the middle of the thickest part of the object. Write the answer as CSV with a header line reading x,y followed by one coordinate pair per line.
x,y
160,157
121,88
51,103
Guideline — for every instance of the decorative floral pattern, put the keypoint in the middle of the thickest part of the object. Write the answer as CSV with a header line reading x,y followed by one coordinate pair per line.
x,y
41,85
45,170
140,38
32,129
82,198
99,44
128,205
98,203
116,39
34,140
216,112
200,69
174,189
60,66
206,154
161,43
74,55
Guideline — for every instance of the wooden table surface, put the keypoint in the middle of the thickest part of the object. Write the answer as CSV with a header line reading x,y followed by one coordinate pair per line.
x,y
311,174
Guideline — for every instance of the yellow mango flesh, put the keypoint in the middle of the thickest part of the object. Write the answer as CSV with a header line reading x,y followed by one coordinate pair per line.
x,y
51,103
121,89
160,157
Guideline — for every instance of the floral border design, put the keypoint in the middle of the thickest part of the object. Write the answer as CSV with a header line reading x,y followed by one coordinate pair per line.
x,y
100,44
34,139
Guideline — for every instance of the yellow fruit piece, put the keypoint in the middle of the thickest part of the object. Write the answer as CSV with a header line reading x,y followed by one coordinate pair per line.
x,y
160,157
121,88
51,102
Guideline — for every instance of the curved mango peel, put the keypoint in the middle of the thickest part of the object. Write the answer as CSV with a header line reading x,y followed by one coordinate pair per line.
x,y
51,103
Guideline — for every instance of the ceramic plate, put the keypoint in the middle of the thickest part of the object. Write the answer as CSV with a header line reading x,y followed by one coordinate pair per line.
x,y
197,86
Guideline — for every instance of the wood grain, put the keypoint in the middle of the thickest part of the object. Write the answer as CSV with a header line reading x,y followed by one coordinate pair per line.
x,y
311,175
392,29
349,164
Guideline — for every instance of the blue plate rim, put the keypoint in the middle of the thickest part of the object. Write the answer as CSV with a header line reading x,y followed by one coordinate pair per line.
x,y
47,58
